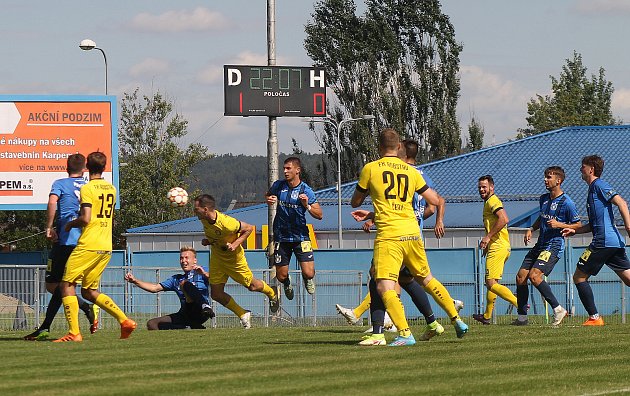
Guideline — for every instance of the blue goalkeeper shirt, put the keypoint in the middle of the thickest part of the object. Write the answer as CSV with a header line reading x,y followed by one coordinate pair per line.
x,y
201,283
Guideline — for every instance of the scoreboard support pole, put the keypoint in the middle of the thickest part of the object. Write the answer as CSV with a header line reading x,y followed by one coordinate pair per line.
x,y
272,140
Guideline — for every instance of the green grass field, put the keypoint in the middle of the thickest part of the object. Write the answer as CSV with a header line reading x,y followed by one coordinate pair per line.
x,y
499,359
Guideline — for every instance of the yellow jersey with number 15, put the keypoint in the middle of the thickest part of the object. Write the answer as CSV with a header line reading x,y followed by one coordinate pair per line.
x,y
391,184
100,195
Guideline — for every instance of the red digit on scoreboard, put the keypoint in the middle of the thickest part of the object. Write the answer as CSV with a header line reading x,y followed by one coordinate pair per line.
x,y
319,99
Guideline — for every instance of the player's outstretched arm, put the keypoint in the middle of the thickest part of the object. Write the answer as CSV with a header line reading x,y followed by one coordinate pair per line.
x,y
147,286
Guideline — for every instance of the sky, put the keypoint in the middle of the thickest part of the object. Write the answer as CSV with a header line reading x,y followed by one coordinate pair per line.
x,y
510,48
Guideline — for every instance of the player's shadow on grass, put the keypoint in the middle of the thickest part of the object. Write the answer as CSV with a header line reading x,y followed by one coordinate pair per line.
x,y
14,339
312,342
333,331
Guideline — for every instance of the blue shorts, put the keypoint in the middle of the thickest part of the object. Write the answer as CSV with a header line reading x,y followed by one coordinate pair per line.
x,y
283,250
593,259
543,260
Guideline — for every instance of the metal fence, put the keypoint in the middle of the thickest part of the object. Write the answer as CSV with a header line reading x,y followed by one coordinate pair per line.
x,y
23,298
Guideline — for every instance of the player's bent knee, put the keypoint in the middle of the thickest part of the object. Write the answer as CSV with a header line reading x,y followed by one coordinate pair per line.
x,y
153,325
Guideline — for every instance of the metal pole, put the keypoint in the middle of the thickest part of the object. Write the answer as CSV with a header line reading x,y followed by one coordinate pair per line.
x,y
272,140
339,226
104,57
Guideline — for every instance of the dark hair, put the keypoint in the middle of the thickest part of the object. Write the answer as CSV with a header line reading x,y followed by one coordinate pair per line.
x,y
596,162
388,139
488,178
206,201
555,170
76,163
96,162
295,161
411,148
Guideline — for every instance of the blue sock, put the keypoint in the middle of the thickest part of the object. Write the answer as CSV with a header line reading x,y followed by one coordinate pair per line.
x,y
586,296
377,309
546,292
522,297
420,300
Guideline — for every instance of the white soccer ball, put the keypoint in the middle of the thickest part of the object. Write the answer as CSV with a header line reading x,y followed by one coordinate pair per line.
x,y
177,196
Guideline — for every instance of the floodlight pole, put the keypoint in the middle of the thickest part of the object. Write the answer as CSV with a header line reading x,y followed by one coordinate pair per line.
x,y
88,45
338,126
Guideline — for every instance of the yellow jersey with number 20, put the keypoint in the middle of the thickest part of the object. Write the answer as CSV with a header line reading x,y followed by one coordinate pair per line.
x,y
391,184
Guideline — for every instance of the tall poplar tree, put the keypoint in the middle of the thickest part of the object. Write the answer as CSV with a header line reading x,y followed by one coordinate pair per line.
x,y
399,62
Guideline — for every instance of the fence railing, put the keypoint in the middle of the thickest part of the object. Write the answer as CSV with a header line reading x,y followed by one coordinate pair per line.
x,y
23,298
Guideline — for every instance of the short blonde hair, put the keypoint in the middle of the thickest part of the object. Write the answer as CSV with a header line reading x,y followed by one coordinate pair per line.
x,y
188,249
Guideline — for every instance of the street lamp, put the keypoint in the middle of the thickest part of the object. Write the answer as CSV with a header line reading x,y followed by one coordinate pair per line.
x,y
88,45
338,126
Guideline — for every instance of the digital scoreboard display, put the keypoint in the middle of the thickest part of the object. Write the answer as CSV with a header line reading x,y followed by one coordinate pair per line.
x,y
274,91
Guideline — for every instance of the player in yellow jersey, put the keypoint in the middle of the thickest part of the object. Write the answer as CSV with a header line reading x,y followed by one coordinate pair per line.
x,y
495,245
391,184
93,252
225,236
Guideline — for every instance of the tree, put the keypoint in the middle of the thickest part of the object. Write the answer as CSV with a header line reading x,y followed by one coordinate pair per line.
x,y
475,135
398,62
575,101
151,161
23,229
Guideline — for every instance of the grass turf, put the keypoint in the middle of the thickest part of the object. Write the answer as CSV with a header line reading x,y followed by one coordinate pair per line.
x,y
497,359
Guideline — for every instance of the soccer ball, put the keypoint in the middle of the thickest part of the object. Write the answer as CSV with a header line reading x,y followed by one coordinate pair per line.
x,y
177,196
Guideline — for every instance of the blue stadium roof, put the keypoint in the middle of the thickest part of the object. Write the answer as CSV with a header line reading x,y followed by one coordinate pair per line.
x,y
517,168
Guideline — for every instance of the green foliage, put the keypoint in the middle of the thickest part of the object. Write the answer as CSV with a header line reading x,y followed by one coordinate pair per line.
x,y
152,161
244,178
475,135
26,228
575,101
499,359
398,62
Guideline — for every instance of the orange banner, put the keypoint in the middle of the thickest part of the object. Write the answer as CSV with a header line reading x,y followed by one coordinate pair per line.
x,y
37,136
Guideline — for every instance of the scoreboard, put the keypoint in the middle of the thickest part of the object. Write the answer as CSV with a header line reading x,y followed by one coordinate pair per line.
x,y
274,91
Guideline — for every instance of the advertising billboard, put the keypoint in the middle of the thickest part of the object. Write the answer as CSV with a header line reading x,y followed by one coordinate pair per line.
x,y
38,133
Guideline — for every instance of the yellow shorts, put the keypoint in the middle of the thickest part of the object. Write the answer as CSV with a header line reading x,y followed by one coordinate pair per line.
x,y
237,269
390,255
495,262
86,267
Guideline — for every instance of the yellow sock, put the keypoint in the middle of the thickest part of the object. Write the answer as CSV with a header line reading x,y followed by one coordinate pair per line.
x,y
395,310
490,299
71,310
234,307
364,306
504,292
268,291
104,301
441,296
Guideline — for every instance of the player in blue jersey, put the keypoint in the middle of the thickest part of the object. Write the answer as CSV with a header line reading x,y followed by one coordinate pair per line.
x,y
191,288
557,211
63,206
607,246
290,234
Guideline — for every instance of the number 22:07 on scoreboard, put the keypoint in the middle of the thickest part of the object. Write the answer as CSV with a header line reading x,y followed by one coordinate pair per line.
x,y
274,91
